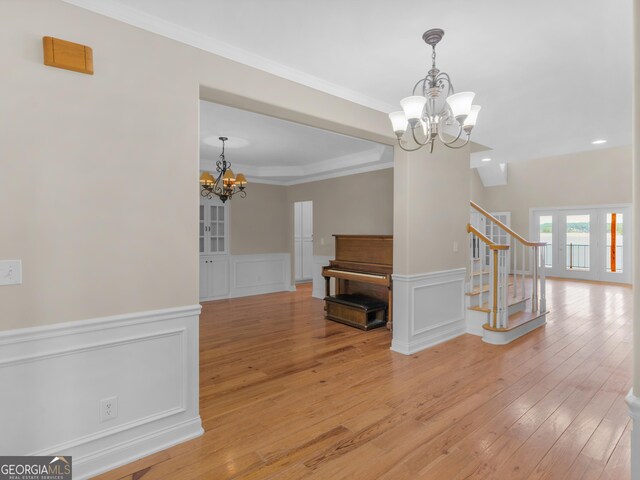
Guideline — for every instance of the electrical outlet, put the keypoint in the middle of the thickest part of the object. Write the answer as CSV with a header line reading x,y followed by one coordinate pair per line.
x,y
108,409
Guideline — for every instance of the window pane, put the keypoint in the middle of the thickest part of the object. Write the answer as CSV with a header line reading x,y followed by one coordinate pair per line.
x,y
578,242
615,236
214,211
221,213
546,235
201,245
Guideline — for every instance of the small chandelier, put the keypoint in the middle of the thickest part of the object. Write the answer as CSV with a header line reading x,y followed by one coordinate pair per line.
x,y
435,107
226,184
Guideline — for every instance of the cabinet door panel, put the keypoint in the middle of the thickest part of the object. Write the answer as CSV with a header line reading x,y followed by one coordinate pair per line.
x,y
220,276
204,278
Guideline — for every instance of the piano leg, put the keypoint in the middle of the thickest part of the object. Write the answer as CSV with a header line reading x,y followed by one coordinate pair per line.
x,y
327,286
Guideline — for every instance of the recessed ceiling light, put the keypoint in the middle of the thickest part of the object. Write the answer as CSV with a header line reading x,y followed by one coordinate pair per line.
x,y
486,159
598,142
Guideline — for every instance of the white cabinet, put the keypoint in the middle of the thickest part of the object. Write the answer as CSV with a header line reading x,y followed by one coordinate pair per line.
x,y
214,245
214,226
214,277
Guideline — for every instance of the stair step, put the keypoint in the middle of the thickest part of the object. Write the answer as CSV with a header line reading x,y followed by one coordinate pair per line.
x,y
484,289
510,302
517,320
484,272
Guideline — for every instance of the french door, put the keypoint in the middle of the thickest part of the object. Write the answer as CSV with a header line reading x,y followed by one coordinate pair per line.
x,y
586,243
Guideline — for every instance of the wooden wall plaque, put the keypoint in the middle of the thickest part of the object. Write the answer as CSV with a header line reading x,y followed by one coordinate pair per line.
x,y
68,55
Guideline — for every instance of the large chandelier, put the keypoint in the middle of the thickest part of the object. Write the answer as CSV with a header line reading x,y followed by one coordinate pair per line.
x,y
226,184
435,107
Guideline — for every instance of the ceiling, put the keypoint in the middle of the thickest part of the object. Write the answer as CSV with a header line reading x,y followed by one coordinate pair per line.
x,y
551,75
277,151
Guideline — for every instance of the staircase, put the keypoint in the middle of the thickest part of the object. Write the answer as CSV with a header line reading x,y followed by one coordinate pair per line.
x,y
503,305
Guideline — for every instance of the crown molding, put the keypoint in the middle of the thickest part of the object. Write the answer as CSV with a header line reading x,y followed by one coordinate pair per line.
x,y
151,23
360,162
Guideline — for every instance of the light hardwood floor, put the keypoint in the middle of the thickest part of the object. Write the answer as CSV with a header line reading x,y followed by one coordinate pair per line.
x,y
286,394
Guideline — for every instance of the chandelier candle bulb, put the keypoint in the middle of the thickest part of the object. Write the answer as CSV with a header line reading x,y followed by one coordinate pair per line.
x,y
241,180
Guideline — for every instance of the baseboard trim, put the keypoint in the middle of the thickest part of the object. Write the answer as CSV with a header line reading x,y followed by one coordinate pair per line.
x,y
427,342
130,451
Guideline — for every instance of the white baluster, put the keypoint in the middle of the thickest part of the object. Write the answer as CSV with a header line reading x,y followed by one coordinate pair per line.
x,y
505,297
515,267
481,257
471,257
523,269
543,286
492,315
534,280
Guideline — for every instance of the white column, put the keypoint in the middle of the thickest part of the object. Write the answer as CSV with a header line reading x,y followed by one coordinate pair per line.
x,y
633,399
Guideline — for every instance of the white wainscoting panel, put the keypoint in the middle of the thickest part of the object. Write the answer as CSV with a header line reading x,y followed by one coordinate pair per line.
x,y
319,261
427,309
258,274
54,377
633,403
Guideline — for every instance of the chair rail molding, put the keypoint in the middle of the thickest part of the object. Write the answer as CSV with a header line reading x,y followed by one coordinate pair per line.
x,y
55,376
428,309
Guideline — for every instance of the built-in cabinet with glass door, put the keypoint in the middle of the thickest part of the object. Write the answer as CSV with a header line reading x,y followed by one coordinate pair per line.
x,y
591,243
213,243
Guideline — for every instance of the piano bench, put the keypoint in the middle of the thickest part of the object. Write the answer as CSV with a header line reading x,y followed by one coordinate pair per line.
x,y
357,311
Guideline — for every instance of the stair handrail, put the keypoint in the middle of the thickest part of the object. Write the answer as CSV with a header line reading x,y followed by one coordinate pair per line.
x,y
492,245
538,262
502,226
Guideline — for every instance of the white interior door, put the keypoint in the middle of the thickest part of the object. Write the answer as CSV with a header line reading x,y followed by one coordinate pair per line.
x,y
303,232
307,240
297,221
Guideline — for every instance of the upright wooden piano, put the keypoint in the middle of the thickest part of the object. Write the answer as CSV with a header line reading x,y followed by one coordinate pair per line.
x,y
362,271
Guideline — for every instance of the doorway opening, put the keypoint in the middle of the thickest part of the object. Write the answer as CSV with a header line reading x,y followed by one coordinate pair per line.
x,y
303,238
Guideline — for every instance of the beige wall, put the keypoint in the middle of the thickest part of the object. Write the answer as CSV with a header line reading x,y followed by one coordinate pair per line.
x,y
355,204
259,223
586,178
98,172
477,189
431,210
